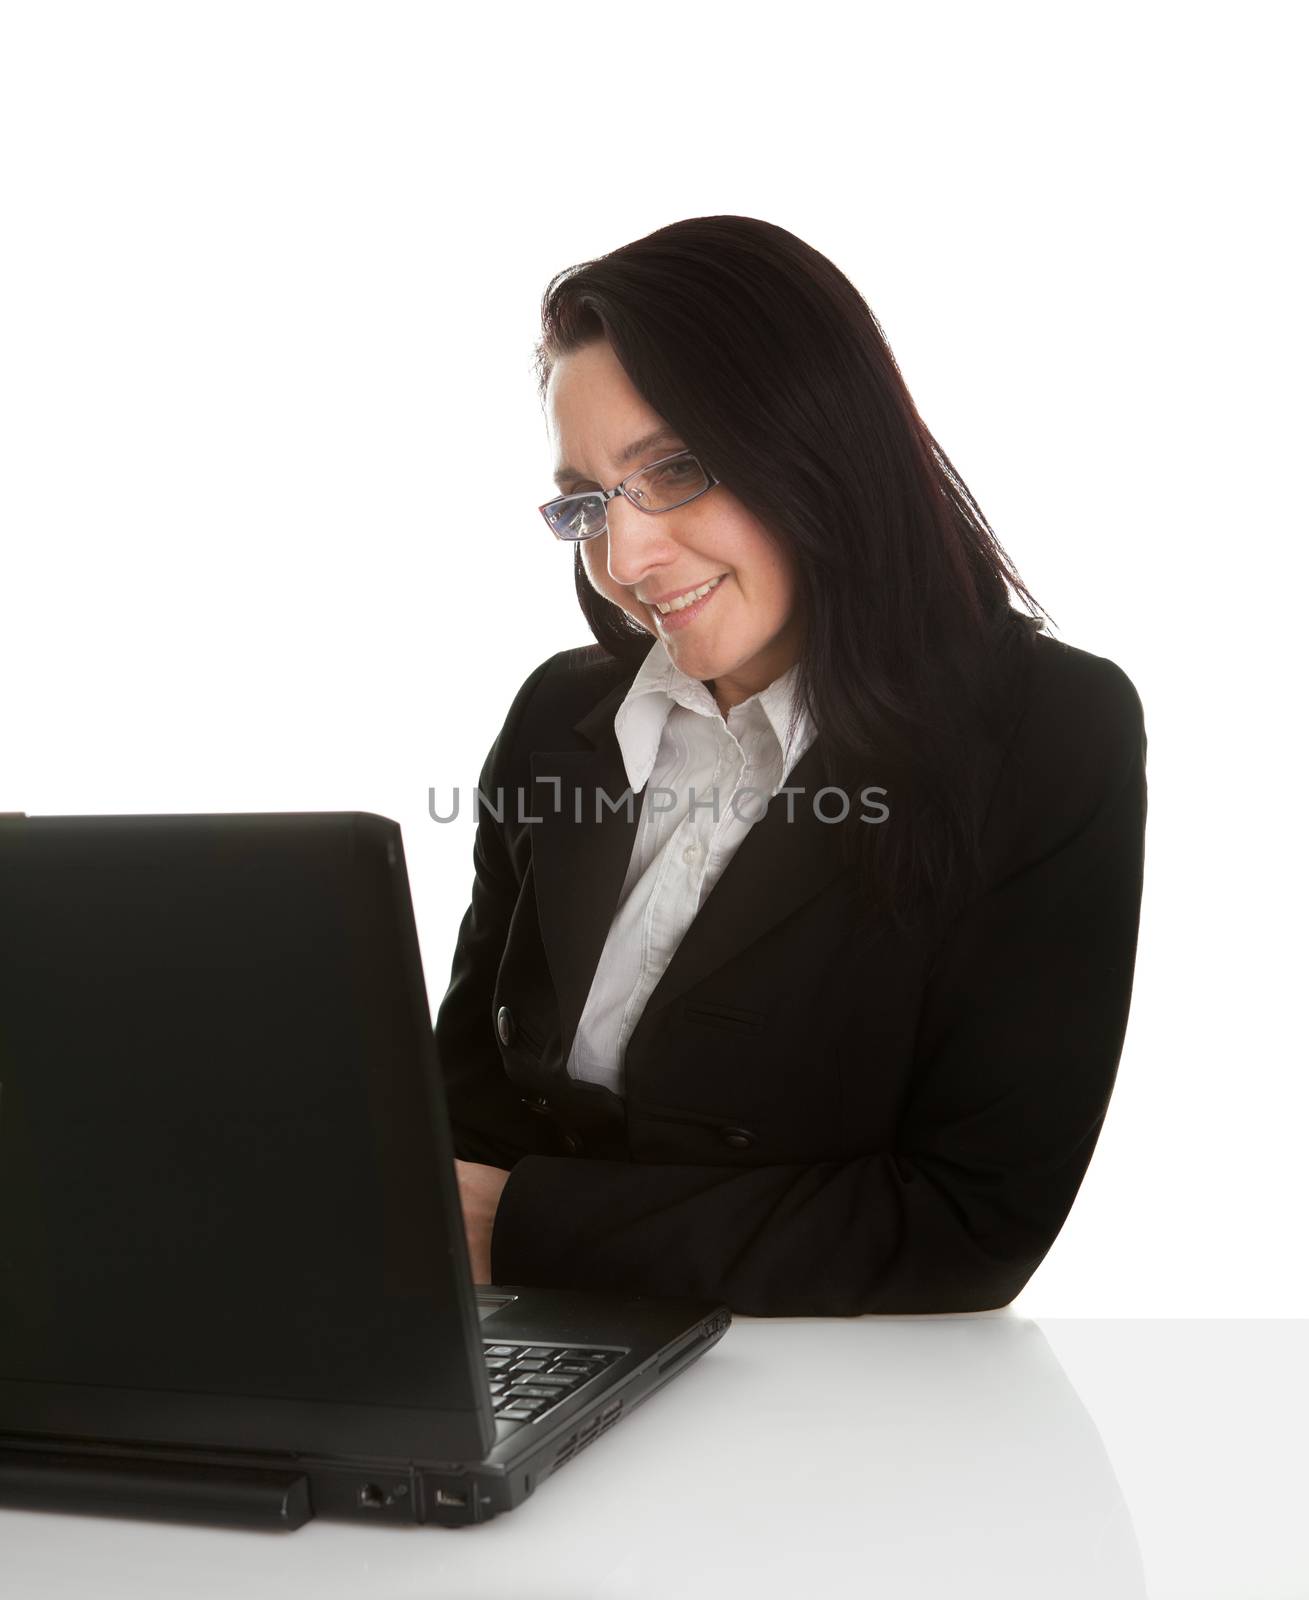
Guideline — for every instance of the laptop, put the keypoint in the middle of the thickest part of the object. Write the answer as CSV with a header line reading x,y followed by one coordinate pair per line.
x,y
234,1280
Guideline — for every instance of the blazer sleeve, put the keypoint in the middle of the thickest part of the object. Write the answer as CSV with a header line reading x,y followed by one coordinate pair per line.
x,y
1020,1033
488,1122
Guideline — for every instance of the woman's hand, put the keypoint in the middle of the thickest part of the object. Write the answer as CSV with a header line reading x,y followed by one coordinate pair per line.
x,y
480,1188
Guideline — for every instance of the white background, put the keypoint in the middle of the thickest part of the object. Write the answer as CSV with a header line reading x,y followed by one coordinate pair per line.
x,y
270,448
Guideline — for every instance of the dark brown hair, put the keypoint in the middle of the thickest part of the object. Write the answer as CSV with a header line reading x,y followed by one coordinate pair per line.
x,y
773,369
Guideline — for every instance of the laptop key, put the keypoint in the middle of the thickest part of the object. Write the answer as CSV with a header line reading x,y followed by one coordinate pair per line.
x,y
501,1350
509,1405
517,1414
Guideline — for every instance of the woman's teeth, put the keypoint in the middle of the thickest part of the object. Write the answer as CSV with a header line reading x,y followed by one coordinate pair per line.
x,y
685,600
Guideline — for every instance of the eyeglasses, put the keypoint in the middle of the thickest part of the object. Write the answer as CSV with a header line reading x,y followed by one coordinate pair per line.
x,y
662,486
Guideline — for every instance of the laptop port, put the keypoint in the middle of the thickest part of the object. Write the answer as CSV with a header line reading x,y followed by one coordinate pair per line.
x,y
373,1497
447,1497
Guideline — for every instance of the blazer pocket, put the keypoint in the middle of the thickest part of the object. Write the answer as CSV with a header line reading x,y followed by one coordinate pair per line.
x,y
699,1119
733,1019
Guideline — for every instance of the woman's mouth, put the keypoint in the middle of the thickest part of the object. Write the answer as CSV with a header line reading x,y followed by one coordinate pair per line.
x,y
681,613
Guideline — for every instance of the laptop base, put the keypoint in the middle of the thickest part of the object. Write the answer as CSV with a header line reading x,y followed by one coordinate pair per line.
x,y
228,1489
255,1490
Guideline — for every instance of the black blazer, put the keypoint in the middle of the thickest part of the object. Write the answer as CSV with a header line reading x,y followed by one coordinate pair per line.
x,y
818,1119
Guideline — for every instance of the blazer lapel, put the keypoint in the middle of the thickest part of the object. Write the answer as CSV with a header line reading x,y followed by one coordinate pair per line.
x,y
579,863
580,860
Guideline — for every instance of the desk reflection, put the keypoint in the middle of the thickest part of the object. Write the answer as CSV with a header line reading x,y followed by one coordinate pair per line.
x,y
929,1455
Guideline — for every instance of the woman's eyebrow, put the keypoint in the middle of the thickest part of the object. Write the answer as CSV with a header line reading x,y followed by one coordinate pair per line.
x,y
638,447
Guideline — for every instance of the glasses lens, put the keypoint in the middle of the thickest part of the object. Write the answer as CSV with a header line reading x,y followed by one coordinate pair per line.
x,y
578,516
659,488
669,483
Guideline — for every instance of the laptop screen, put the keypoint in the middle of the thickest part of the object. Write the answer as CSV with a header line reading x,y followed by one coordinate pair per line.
x,y
221,1169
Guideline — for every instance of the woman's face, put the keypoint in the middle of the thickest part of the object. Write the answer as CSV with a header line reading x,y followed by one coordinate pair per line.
x,y
748,632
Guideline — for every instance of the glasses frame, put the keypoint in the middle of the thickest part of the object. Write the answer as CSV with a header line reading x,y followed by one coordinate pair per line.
x,y
606,495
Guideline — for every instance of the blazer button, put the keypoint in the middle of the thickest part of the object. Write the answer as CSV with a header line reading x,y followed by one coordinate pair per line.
x,y
504,1025
738,1138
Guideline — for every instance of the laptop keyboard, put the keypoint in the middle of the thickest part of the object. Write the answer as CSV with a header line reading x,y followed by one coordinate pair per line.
x,y
528,1380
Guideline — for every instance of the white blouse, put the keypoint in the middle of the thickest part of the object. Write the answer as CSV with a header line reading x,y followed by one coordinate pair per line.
x,y
673,737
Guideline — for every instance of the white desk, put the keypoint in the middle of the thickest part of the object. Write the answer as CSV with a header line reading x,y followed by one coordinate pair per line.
x,y
961,1457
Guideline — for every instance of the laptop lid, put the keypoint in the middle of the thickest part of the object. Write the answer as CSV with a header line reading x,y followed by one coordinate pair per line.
x,y
228,1206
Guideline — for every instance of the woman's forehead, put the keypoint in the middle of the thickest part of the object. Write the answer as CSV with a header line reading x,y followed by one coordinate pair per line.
x,y
592,422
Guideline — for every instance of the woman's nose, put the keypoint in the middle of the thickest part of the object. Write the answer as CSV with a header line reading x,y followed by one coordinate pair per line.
x,y
638,542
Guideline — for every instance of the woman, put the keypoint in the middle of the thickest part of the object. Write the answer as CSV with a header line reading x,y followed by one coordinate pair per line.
x,y
824,1019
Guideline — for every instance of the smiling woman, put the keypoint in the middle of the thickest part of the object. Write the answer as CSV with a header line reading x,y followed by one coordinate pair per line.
x,y
724,1045
750,633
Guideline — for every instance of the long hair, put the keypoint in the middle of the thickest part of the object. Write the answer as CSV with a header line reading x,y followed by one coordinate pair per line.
x,y
776,373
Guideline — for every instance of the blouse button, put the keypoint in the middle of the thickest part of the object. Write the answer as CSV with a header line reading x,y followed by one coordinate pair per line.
x,y
690,853
738,1138
504,1025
